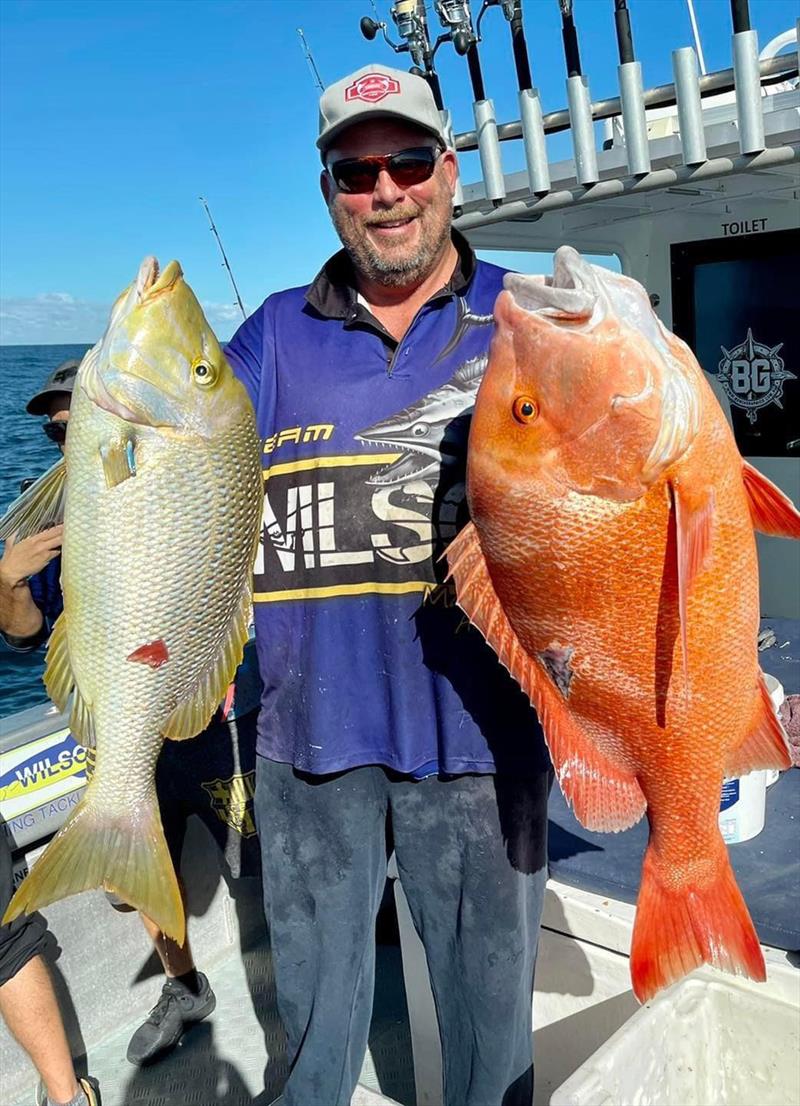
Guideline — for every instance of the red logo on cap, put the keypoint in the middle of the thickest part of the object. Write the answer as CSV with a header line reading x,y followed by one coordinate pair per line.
x,y
371,88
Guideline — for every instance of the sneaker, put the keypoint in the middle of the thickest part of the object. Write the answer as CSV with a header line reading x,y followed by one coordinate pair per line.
x,y
175,1010
87,1084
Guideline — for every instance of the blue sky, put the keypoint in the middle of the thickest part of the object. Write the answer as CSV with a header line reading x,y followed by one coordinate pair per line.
x,y
115,116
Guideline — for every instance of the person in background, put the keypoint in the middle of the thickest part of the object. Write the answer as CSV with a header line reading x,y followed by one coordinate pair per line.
x,y
29,1005
30,602
381,709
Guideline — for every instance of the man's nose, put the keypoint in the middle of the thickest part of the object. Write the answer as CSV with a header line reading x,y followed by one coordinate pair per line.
x,y
386,192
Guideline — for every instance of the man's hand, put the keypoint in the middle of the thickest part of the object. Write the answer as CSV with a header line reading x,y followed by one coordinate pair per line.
x,y
20,618
29,556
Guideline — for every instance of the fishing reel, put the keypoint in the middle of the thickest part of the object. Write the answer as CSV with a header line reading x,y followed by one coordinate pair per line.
x,y
454,15
409,18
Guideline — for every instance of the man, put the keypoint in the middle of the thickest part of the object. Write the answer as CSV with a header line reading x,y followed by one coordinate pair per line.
x,y
379,705
30,602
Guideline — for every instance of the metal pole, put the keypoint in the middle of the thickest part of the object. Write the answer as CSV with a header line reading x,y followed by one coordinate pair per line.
x,y
659,179
696,34
748,80
690,111
580,109
631,94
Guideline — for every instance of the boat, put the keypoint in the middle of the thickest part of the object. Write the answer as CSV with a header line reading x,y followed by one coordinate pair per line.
x,y
695,194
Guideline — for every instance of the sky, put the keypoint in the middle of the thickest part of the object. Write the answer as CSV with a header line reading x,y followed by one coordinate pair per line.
x,y
116,115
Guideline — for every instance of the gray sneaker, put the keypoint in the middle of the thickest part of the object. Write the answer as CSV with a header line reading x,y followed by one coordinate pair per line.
x,y
175,1010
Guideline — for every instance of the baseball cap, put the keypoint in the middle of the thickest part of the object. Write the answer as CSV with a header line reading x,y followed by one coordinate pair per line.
x,y
373,92
61,379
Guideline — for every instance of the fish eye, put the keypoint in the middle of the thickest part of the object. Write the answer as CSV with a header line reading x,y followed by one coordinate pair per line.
x,y
204,373
419,429
525,409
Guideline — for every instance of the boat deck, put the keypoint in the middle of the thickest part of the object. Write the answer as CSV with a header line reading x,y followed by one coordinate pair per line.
x,y
235,1057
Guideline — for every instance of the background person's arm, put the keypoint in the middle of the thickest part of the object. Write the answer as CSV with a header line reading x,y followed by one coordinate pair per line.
x,y
21,621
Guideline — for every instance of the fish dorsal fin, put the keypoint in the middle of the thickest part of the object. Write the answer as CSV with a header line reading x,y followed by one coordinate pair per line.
x,y
694,523
39,507
192,715
60,683
604,796
765,745
772,511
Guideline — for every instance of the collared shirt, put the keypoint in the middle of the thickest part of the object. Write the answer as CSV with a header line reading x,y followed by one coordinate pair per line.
x,y
364,656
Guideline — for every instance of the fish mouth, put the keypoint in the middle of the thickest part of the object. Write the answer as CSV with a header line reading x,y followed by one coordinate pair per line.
x,y
571,295
412,464
138,398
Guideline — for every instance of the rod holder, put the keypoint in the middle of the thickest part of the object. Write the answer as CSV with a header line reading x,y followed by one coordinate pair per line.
x,y
447,129
690,110
489,150
747,78
530,112
631,94
580,117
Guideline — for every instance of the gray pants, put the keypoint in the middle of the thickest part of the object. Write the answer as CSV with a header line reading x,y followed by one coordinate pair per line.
x,y
472,857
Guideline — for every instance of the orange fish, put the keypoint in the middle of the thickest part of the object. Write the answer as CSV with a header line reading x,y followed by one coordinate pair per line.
x,y
611,564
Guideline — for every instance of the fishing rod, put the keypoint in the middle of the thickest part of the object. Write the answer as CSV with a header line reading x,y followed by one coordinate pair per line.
x,y
310,59
631,94
455,16
530,107
579,100
215,232
411,21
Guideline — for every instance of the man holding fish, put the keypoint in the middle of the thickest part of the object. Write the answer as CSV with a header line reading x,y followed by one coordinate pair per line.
x,y
382,711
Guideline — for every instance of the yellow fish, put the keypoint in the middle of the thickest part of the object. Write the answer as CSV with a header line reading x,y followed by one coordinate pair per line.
x,y
161,491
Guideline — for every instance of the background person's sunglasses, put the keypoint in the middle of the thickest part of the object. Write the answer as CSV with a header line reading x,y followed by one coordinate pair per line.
x,y
56,430
406,167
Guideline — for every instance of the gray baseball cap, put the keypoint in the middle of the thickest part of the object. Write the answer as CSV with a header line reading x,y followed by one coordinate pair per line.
x,y
61,379
374,92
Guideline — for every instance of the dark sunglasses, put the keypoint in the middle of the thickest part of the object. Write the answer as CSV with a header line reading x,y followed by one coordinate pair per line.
x,y
56,430
407,167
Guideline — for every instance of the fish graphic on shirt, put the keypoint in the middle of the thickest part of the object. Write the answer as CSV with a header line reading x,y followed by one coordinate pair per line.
x,y
431,432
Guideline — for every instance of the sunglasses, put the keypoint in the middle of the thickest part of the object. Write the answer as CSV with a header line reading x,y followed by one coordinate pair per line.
x,y
56,430
407,167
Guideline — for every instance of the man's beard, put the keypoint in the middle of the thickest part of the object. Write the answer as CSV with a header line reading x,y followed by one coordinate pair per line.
x,y
390,266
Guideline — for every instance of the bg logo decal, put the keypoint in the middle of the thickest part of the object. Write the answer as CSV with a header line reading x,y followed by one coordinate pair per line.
x,y
232,802
752,375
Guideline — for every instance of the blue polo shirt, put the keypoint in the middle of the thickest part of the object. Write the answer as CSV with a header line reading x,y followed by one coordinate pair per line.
x,y
364,656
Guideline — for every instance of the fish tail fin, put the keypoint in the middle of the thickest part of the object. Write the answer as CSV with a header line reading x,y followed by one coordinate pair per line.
x,y
125,853
680,926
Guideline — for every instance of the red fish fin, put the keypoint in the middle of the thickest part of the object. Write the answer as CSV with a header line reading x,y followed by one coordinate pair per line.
x,y
772,511
765,746
154,653
694,521
678,927
603,796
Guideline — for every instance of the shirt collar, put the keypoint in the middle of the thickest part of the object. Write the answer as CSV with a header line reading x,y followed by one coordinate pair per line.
x,y
333,293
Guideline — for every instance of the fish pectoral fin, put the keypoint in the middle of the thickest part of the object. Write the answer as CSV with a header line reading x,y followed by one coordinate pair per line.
x,y
694,526
765,745
118,462
194,713
772,512
603,795
58,676
123,851
39,507
59,680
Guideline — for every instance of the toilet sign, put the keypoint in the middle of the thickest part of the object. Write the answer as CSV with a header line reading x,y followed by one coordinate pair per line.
x,y
752,375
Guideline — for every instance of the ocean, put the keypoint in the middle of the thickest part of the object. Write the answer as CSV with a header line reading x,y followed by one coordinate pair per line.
x,y
25,452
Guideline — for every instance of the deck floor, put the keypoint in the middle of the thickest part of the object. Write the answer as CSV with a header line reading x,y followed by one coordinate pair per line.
x,y
235,1057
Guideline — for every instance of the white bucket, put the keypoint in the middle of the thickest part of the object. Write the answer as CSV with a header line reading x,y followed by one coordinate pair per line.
x,y
775,690
743,800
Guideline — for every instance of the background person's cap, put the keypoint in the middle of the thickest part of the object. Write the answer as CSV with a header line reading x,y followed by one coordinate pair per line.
x,y
374,92
61,379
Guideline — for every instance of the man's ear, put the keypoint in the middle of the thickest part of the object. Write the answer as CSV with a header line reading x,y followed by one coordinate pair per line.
x,y
326,186
450,166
